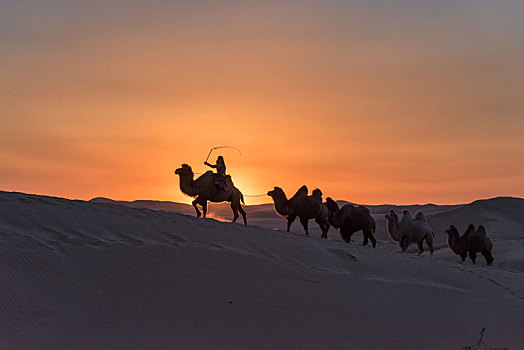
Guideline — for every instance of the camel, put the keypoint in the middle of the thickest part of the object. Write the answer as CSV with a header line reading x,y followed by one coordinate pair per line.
x,y
205,190
301,205
350,219
471,242
410,230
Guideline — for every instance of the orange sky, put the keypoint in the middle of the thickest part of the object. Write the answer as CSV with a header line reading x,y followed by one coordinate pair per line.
x,y
382,102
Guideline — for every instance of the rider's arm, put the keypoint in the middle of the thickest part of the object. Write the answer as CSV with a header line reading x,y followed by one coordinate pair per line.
x,y
210,165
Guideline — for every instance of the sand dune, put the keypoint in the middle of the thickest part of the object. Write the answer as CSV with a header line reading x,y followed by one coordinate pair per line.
x,y
103,274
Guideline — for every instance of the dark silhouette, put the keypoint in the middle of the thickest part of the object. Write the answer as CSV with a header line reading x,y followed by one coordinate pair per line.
x,y
350,219
220,177
301,205
204,189
471,242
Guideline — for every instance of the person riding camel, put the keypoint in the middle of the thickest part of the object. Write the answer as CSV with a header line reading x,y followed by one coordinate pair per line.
x,y
220,178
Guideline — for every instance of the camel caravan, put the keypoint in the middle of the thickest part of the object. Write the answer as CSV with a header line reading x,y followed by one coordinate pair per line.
x,y
218,187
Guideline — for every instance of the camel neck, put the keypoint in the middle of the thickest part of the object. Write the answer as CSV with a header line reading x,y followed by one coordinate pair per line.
x,y
187,185
281,205
393,229
453,243
394,226
337,218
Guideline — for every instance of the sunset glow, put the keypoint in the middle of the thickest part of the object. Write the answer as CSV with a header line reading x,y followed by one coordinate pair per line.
x,y
376,103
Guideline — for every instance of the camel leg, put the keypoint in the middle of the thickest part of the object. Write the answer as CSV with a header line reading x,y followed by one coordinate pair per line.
x,y
304,223
463,256
346,236
235,212
326,229
204,208
243,213
323,226
429,242
368,234
319,222
488,257
195,202
290,220
420,248
403,244
473,256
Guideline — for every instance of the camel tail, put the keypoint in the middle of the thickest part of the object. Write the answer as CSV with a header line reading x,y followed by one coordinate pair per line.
x,y
242,198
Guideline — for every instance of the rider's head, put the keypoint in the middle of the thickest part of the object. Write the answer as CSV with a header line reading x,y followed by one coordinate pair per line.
x,y
220,159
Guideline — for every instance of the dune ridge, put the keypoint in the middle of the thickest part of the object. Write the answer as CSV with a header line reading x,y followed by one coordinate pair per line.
x,y
85,275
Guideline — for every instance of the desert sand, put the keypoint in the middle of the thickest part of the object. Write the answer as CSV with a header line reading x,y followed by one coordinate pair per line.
x,y
102,274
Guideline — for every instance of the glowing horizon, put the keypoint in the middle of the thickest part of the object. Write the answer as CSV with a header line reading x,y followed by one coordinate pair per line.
x,y
385,102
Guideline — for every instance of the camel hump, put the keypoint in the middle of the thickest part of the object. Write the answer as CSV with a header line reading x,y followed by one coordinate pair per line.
x,y
317,192
471,228
362,208
302,192
406,212
481,230
206,174
420,216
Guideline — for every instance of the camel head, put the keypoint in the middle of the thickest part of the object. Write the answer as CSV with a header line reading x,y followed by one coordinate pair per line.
x,y
452,231
184,170
276,191
392,216
332,206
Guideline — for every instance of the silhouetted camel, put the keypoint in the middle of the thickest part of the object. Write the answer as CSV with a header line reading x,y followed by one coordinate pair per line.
x,y
350,219
471,242
205,190
301,205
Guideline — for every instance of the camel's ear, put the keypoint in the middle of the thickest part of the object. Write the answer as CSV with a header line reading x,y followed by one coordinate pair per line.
x,y
391,211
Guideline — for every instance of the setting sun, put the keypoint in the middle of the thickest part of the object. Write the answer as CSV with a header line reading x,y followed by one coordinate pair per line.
x,y
378,111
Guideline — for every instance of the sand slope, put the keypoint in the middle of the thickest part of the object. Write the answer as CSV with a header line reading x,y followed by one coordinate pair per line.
x,y
87,275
